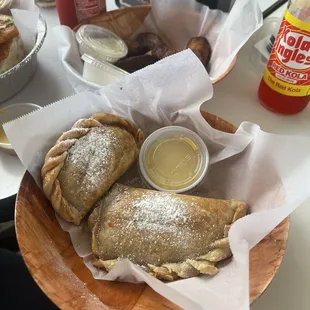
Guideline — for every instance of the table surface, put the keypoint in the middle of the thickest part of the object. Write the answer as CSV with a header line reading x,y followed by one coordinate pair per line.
x,y
235,99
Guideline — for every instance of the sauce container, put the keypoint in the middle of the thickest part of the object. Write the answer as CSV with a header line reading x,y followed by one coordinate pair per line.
x,y
173,159
100,72
8,114
100,43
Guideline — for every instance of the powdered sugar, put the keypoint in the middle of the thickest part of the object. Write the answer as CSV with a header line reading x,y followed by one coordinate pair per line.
x,y
150,227
91,155
159,211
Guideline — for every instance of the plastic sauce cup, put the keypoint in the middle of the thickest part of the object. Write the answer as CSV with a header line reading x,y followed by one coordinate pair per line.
x,y
10,113
100,43
173,159
99,72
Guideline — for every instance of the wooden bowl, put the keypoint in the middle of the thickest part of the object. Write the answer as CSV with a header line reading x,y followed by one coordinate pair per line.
x,y
62,275
124,22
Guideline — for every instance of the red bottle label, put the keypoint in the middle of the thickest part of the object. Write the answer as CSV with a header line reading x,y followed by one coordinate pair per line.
x,y
288,68
88,8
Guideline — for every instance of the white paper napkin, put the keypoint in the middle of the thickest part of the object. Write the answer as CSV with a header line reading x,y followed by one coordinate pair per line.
x,y
177,21
26,16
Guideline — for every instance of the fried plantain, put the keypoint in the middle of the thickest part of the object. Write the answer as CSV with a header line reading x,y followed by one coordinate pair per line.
x,y
201,48
136,63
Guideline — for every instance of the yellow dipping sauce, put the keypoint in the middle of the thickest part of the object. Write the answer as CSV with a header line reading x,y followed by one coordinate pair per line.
x,y
173,163
3,137
173,159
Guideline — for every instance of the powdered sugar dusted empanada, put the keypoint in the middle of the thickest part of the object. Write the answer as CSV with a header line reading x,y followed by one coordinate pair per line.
x,y
86,161
170,235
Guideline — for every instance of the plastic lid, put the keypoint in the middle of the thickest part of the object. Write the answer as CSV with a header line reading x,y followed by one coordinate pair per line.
x,y
102,41
173,159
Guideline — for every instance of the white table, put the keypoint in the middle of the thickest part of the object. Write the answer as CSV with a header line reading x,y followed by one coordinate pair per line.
x,y
235,99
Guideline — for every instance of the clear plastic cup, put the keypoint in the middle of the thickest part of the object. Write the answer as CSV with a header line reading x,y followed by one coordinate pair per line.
x,y
173,159
12,112
99,72
100,43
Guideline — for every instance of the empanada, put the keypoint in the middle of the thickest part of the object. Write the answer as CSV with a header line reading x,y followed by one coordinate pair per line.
x,y
86,161
170,235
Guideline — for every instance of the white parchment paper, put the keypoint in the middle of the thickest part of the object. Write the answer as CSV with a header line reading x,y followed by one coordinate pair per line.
x,y
270,172
176,22
26,16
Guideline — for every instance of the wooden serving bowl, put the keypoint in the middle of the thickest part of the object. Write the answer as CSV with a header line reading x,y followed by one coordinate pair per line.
x,y
62,275
124,22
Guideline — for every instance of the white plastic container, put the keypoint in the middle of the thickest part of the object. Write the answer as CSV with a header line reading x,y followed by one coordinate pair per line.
x,y
10,113
173,159
102,73
100,43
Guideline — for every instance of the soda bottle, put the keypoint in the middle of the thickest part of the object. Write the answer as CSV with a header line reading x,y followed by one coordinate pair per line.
x,y
285,86
72,12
